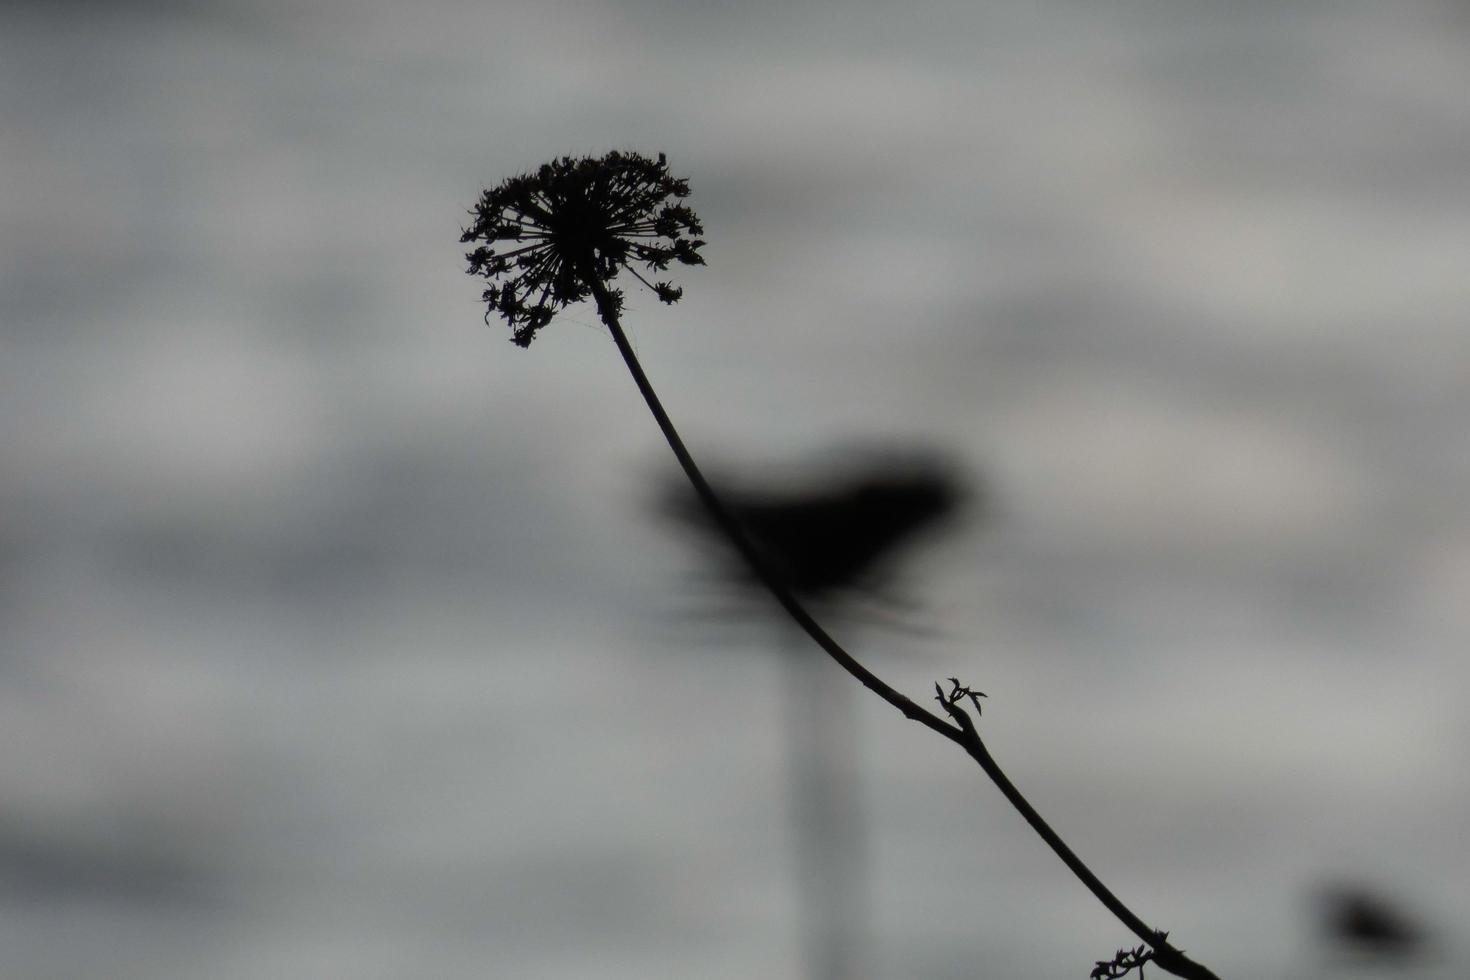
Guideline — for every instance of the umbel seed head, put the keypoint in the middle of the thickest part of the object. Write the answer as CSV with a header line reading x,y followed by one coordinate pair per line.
x,y
550,235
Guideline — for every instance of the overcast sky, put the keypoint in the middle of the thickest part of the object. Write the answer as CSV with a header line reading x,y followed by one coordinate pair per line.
x,y
339,636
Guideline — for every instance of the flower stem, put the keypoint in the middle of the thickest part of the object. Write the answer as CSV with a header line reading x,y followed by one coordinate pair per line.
x,y
962,732
607,308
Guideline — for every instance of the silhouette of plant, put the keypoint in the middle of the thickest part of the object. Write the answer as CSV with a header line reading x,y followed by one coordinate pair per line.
x,y
957,693
1124,962
572,226
586,220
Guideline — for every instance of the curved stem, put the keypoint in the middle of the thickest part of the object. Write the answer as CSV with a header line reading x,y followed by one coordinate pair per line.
x,y
1166,956
607,308
962,732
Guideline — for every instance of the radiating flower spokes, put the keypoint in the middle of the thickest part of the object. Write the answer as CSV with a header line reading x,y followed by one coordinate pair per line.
x,y
573,221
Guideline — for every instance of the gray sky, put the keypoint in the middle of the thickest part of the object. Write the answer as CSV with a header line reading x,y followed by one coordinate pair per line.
x,y
337,637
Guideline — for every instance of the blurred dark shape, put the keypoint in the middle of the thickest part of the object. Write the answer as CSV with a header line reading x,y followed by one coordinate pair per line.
x,y
841,530
42,865
1358,920
835,533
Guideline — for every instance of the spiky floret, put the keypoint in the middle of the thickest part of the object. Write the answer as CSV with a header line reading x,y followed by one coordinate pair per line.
x,y
548,235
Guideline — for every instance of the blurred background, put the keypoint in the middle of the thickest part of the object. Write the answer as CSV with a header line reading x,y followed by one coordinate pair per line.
x,y
338,636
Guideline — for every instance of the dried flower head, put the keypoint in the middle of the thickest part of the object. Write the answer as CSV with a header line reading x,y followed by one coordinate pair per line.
x,y
572,224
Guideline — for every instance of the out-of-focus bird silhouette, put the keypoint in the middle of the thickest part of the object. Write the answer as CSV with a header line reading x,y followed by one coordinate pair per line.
x,y
840,531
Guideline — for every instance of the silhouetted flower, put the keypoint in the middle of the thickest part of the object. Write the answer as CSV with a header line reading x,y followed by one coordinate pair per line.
x,y
572,224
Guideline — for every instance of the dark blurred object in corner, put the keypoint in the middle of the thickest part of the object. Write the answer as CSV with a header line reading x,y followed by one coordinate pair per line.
x,y
1362,922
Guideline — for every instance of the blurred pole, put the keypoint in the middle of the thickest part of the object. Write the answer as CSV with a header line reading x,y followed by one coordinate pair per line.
x,y
829,832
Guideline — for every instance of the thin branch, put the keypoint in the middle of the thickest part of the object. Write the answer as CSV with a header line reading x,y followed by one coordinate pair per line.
x,y
607,307
1165,956
962,731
